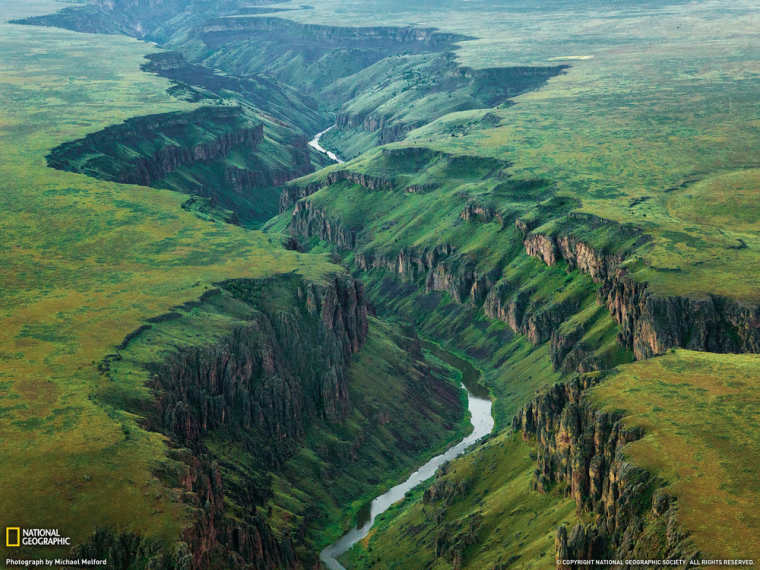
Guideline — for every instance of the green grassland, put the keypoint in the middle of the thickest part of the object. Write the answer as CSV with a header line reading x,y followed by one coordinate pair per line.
x,y
654,124
85,262
700,415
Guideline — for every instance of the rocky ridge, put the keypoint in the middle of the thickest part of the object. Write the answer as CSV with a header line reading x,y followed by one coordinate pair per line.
x,y
650,323
442,268
100,154
262,385
581,451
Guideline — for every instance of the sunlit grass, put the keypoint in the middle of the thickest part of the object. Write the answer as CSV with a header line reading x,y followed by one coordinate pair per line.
x,y
700,415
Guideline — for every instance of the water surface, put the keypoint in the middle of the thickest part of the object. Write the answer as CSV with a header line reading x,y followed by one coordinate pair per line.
x,y
314,143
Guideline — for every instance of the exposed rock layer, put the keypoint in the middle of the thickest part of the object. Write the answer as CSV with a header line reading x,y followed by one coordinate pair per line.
x,y
650,323
442,268
101,154
262,385
582,450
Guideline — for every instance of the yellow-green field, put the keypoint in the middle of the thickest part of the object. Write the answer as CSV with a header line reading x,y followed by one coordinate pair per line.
x,y
701,415
84,263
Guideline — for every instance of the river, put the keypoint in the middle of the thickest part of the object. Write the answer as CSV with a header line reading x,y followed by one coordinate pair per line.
x,y
482,424
314,143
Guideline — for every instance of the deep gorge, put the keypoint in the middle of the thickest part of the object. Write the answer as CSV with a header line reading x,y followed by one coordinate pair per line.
x,y
300,398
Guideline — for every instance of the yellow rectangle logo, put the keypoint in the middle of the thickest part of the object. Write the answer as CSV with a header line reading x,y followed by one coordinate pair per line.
x,y
12,536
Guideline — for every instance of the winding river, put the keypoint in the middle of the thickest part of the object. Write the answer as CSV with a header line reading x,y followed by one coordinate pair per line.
x,y
482,423
314,143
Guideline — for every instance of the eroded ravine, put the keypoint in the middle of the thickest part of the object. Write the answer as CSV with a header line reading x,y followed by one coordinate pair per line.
x,y
482,421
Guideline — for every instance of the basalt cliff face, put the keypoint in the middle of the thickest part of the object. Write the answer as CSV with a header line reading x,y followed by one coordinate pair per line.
x,y
306,349
580,449
261,386
409,95
403,161
403,39
216,152
442,268
102,154
316,55
650,323
197,83
386,129
294,192
309,221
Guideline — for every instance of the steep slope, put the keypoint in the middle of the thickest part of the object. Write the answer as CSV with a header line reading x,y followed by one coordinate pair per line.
x,y
222,154
257,387
479,512
262,94
383,102
514,251
315,55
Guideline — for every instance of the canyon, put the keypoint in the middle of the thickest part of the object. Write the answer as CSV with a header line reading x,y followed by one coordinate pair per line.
x,y
288,335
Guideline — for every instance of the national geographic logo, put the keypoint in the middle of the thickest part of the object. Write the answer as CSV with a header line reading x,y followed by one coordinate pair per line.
x,y
12,536
16,536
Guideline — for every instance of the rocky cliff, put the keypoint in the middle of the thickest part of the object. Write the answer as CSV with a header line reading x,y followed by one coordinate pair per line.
x,y
387,129
231,385
222,153
294,192
261,386
443,268
408,96
650,323
548,230
402,38
106,154
196,83
309,221
404,163
581,451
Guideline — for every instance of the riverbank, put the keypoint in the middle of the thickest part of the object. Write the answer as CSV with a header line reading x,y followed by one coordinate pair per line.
x,y
482,421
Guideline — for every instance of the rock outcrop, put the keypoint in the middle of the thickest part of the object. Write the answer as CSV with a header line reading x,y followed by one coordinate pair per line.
x,y
442,268
214,152
387,129
388,113
581,450
323,38
262,385
309,220
294,192
650,323
102,154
